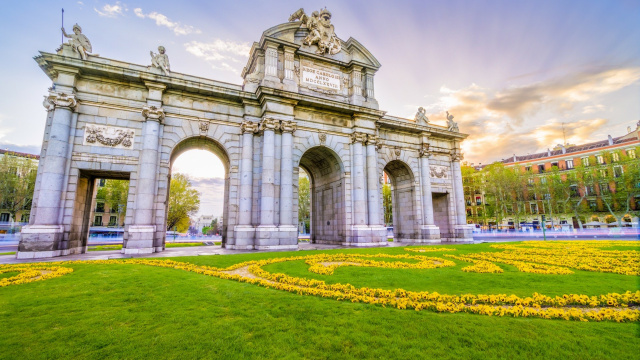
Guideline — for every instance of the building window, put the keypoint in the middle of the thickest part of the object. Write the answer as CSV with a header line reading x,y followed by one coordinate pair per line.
x,y
527,168
534,208
631,153
100,207
604,189
531,181
573,190
112,221
615,157
547,196
4,217
593,205
569,164
543,180
541,168
585,161
600,159
590,190
617,171
554,164
97,221
604,173
24,218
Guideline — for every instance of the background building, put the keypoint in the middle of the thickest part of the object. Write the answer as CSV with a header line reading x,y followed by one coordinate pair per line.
x,y
587,185
17,179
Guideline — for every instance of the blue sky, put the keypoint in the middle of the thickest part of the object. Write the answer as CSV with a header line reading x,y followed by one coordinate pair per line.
x,y
511,72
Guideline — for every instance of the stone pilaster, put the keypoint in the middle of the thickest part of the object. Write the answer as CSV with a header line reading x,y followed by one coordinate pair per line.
x,y
244,231
143,230
463,232
287,229
43,237
267,231
359,183
289,81
373,183
428,230
271,66
355,93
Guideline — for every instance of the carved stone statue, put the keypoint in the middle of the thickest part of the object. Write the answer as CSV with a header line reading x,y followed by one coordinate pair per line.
x,y
160,60
421,116
452,125
79,42
321,31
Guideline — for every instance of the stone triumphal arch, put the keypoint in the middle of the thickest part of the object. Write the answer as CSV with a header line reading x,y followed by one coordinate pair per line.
x,y
307,101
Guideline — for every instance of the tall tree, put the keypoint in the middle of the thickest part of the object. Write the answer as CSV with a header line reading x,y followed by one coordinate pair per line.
x,y
304,200
387,205
184,201
17,182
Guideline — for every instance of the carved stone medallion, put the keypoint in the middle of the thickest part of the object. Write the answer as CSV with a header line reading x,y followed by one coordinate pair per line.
x,y
204,127
439,172
108,136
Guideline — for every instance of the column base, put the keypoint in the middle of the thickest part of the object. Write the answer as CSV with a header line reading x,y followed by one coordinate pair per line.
x,y
271,237
429,233
462,234
276,247
243,239
367,236
140,240
44,241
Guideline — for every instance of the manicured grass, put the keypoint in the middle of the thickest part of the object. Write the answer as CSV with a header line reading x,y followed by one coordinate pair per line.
x,y
119,247
8,253
137,311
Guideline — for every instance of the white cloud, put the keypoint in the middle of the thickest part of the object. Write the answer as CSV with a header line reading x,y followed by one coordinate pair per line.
x,y
111,11
220,53
163,20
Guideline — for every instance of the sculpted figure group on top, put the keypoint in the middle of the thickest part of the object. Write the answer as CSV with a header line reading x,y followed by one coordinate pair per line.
x,y
321,31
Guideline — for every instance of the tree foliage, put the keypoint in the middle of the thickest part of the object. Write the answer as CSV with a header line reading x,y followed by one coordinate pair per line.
x,y
387,205
115,193
304,200
184,202
17,182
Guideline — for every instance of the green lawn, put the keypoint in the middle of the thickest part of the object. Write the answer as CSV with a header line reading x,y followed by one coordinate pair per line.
x,y
8,253
138,311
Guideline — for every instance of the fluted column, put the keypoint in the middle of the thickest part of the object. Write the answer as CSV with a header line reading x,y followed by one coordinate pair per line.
x,y
359,183
373,184
55,160
461,214
286,173
425,180
268,127
246,172
147,170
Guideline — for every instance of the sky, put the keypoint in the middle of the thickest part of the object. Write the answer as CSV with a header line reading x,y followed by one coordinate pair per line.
x,y
511,72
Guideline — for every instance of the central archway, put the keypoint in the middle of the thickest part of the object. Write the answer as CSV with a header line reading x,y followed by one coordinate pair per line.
x,y
326,175
403,199
212,146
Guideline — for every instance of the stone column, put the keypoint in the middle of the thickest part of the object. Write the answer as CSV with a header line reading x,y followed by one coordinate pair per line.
x,y
463,232
245,232
246,172
287,229
373,183
428,230
42,238
359,183
142,232
267,232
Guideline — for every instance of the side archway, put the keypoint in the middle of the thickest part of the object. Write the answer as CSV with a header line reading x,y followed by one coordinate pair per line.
x,y
406,219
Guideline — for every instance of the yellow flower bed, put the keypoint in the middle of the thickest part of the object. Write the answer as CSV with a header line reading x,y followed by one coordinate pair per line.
x,y
428,249
609,307
479,266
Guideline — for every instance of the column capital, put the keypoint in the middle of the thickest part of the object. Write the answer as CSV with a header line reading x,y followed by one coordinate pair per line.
x,y
248,126
372,140
153,113
61,100
288,126
358,137
269,124
456,155
424,150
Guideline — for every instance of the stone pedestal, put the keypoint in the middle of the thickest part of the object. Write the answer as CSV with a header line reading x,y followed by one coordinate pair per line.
x,y
429,234
365,236
244,237
463,233
140,240
268,237
41,241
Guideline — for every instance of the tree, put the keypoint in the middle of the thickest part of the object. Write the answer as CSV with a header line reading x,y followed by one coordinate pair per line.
x,y
387,205
115,194
17,182
304,200
184,201
618,185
